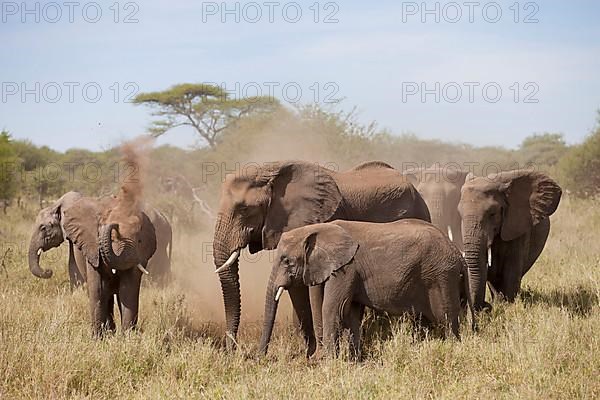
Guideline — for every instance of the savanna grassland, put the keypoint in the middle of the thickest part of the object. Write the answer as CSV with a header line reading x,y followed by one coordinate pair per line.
x,y
546,345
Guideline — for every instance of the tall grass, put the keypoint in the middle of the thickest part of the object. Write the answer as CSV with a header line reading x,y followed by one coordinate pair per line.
x,y
545,345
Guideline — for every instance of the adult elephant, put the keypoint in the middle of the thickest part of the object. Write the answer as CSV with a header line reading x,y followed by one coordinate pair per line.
x,y
441,188
506,214
256,207
49,232
116,239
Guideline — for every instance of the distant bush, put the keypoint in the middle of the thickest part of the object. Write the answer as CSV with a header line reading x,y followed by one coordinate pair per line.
x,y
581,167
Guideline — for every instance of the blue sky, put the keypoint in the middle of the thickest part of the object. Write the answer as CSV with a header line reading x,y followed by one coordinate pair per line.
x,y
372,58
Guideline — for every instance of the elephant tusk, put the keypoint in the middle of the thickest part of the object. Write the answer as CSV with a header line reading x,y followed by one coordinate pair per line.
x,y
279,293
234,256
489,256
40,251
144,270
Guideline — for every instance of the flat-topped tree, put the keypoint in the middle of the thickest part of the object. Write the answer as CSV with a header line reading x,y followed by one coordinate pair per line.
x,y
208,109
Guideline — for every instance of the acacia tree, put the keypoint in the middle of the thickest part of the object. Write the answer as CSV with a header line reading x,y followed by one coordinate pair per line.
x,y
208,109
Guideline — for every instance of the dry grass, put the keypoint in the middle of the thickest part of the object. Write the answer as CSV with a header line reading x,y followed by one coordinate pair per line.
x,y
543,346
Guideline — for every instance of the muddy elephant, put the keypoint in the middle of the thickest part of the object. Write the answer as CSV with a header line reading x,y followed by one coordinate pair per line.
x,y
441,188
116,239
257,206
506,215
48,232
400,267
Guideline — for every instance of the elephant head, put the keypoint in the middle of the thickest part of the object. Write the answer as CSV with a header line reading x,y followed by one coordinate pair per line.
x,y
48,232
119,244
503,206
305,256
256,207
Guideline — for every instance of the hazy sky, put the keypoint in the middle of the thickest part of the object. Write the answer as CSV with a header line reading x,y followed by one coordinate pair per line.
x,y
378,57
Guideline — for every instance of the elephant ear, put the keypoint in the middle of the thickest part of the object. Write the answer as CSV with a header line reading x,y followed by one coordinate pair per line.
x,y
147,238
327,248
531,197
301,194
81,227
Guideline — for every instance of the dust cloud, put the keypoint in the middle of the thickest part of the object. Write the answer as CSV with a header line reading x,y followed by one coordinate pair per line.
x,y
130,198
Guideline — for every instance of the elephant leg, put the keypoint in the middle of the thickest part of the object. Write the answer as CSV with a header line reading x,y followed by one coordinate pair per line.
x,y
100,292
515,254
129,297
76,278
316,304
302,310
353,322
333,312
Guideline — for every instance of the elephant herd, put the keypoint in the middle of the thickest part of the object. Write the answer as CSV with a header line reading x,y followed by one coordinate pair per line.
x,y
425,242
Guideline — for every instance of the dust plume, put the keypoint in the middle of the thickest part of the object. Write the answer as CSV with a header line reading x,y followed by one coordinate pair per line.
x,y
133,167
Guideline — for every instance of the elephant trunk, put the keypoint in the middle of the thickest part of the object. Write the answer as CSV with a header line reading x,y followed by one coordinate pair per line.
x,y
224,245
475,245
126,256
35,250
271,303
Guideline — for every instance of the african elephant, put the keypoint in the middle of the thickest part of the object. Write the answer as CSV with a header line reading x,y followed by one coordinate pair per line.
x,y
159,265
48,232
406,266
116,240
440,188
506,214
257,206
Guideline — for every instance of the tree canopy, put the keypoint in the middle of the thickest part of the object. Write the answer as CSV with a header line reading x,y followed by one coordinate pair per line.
x,y
206,108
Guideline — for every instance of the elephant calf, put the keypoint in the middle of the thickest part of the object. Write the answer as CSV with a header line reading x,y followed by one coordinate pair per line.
x,y
407,266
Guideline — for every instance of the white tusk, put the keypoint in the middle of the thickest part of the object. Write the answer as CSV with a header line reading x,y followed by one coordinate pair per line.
x,y
234,256
144,270
40,251
114,271
450,234
489,256
279,293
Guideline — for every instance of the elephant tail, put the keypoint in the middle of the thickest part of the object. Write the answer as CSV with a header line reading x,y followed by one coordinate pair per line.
x,y
465,282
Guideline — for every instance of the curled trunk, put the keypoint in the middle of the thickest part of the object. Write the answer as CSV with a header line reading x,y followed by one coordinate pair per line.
x,y
270,313
34,260
126,255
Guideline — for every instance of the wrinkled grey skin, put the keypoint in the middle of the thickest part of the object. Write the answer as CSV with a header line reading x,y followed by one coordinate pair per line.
x,y
48,233
507,214
111,258
159,265
441,188
406,266
257,206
